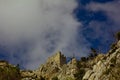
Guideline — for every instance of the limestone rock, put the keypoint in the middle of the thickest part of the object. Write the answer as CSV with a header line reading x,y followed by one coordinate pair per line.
x,y
106,68
88,74
3,63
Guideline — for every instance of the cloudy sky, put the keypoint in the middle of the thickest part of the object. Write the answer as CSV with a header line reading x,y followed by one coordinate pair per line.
x,y
32,30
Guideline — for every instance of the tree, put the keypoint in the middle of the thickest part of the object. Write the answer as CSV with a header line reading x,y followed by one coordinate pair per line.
x,y
117,35
80,74
93,52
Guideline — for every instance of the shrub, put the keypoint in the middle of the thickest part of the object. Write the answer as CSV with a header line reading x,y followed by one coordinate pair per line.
x,y
83,59
113,60
9,73
69,78
42,78
93,53
80,74
117,35
107,72
112,45
55,78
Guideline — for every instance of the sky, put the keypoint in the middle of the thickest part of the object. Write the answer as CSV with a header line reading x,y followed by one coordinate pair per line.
x,y
33,30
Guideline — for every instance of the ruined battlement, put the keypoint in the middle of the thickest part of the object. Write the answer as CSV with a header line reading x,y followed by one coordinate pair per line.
x,y
58,58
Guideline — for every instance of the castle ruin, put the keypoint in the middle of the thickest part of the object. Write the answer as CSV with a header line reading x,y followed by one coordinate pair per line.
x,y
58,58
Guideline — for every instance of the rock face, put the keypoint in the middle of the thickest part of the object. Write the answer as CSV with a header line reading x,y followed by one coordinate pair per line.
x,y
107,68
56,66
100,67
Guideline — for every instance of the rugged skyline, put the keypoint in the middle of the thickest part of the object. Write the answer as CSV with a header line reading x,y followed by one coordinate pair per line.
x,y
30,31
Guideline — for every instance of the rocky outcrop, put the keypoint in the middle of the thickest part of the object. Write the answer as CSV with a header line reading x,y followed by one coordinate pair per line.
x,y
56,66
52,68
100,67
68,70
3,63
108,66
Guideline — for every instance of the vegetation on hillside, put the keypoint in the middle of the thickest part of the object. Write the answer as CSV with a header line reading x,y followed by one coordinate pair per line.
x,y
9,73
117,35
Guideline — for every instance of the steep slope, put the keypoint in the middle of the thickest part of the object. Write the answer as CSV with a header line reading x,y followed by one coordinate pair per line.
x,y
108,66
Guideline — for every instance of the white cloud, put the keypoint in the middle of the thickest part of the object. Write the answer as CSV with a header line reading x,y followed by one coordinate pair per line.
x,y
110,8
104,30
40,26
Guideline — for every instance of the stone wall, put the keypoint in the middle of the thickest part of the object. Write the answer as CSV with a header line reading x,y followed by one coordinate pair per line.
x,y
58,58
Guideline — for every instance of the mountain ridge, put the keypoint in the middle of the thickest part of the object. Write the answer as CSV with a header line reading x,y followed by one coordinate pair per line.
x,y
95,67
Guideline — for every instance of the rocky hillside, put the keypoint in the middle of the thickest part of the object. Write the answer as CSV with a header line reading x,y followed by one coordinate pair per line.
x,y
8,71
96,67
107,67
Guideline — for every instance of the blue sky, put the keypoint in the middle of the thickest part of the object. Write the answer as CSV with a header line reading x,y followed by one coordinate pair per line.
x,y
31,31
87,16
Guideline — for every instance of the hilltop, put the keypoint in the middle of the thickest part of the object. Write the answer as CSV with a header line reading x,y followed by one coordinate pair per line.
x,y
98,67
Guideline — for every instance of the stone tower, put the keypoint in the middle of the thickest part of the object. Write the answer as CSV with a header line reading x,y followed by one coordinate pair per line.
x,y
58,58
